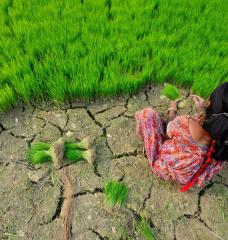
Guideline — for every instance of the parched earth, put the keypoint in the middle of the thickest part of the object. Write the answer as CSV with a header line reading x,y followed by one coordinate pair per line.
x,y
32,197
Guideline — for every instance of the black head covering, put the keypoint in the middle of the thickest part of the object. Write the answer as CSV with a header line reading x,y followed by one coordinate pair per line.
x,y
219,100
217,121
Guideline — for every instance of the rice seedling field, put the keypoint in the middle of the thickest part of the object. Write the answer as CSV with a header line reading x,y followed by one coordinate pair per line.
x,y
66,49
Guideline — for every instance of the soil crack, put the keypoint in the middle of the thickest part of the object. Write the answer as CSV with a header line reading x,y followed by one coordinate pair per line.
x,y
147,97
53,124
201,193
189,216
67,118
95,169
98,234
93,118
104,110
143,205
126,154
121,178
29,142
210,230
29,166
85,192
2,128
127,101
59,204
119,115
17,136
102,127
106,141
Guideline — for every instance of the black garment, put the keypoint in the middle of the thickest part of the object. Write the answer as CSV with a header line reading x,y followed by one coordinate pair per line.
x,y
217,121
219,100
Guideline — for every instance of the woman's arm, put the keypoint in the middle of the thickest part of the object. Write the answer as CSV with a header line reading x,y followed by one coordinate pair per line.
x,y
172,111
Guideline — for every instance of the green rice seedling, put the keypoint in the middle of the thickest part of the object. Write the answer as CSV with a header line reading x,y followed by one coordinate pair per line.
x,y
75,155
39,153
41,157
144,229
115,193
171,92
86,143
7,97
40,146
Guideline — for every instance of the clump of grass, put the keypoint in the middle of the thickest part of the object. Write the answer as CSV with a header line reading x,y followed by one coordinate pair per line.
x,y
171,92
115,193
144,229
39,153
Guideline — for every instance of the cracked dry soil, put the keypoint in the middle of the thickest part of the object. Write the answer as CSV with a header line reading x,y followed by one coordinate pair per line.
x,y
32,197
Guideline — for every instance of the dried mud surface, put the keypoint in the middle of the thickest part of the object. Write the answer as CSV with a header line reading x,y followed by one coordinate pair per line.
x,y
31,197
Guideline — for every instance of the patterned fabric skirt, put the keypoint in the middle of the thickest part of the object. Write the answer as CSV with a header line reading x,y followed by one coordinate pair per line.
x,y
150,128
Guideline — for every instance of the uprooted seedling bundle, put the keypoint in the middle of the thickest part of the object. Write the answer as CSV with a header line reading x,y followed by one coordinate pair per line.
x,y
68,150
115,193
171,92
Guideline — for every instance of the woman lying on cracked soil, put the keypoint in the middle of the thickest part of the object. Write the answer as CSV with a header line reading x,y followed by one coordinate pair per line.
x,y
193,148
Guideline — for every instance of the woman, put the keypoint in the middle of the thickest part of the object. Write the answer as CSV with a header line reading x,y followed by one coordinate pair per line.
x,y
194,148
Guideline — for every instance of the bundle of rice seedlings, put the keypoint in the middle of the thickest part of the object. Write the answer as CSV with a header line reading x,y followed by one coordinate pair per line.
x,y
115,193
144,229
74,151
171,92
43,152
77,155
39,153
86,143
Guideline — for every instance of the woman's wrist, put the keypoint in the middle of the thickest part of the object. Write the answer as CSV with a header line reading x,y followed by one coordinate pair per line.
x,y
172,113
172,109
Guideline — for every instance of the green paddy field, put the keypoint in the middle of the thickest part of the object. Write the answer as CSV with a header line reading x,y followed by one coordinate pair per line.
x,y
67,49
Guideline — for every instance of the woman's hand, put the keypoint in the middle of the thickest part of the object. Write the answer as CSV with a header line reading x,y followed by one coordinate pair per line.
x,y
199,102
173,105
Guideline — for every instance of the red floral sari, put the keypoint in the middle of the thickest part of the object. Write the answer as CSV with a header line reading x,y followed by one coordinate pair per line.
x,y
177,158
